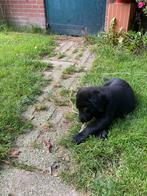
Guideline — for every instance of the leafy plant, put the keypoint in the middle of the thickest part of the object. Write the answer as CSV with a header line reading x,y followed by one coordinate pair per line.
x,y
4,27
113,37
135,42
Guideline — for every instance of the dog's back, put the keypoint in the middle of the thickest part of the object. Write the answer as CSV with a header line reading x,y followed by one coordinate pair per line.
x,y
122,94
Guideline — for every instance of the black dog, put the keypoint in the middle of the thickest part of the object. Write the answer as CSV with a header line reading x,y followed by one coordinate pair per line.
x,y
104,104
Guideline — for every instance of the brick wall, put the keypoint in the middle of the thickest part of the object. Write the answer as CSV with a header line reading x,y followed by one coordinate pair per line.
x,y
1,13
24,12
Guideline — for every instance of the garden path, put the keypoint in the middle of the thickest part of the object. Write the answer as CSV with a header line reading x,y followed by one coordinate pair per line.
x,y
40,158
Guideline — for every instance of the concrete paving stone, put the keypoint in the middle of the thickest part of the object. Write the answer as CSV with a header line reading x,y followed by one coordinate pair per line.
x,y
60,130
58,64
23,183
40,158
85,57
28,113
41,117
27,139
70,54
66,83
67,46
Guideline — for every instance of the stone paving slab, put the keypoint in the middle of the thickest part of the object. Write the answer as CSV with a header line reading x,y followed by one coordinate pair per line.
x,y
38,158
32,184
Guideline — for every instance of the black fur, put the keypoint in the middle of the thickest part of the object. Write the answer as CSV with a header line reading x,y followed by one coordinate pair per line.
x,y
104,104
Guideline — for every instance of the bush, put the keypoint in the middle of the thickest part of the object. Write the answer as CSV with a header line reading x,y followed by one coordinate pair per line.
x,y
134,42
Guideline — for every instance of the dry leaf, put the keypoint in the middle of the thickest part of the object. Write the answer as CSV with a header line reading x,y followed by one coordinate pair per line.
x,y
6,162
48,145
15,153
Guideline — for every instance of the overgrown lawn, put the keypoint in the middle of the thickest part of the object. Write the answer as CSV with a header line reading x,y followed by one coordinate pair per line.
x,y
20,80
117,166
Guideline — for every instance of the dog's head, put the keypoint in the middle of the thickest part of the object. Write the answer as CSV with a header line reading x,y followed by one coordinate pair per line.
x,y
90,102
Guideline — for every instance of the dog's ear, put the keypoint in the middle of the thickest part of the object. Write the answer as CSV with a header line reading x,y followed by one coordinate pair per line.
x,y
79,91
98,100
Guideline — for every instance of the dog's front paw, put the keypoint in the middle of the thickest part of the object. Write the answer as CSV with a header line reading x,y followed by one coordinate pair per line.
x,y
78,138
103,135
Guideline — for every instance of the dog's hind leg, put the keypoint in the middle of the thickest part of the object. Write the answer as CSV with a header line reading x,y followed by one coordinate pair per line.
x,y
102,135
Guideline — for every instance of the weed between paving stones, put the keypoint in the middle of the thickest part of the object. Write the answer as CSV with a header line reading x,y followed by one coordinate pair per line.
x,y
40,106
64,92
48,126
61,55
71,70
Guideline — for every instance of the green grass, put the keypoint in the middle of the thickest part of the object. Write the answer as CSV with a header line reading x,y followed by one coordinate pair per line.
x,y
64,92
70,70
61,55
117,166
23,166
20,80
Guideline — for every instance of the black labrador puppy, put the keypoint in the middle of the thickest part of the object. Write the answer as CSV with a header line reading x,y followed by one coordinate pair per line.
x,y
103,104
